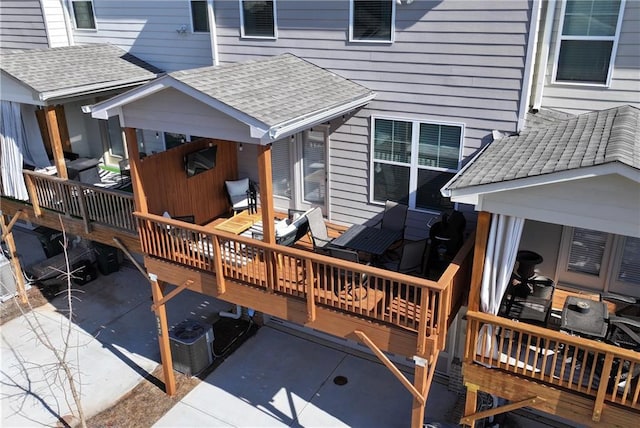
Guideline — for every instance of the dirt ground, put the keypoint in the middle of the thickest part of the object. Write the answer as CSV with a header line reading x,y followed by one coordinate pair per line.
x,y
13,308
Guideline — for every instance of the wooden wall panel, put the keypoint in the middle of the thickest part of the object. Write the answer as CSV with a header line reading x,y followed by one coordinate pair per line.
x,y
168,188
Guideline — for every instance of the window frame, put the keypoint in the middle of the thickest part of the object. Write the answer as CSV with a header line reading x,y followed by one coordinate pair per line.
x,y
191,17
243,33
413,165
392,29
73,15
560,38
611,262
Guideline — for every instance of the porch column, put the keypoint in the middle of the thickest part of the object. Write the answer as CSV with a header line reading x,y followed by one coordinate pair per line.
x,y
56,139
163,336
266,193
139,197
479,253
420,383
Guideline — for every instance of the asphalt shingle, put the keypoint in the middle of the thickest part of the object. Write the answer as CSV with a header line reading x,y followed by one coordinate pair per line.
x,y
590,139
274,90
65,68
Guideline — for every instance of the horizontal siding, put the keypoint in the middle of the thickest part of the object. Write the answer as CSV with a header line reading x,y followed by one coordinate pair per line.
x,y
625,82
22,25
147,29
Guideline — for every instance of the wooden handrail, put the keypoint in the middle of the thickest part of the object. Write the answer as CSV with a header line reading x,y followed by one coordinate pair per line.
x,y
65,181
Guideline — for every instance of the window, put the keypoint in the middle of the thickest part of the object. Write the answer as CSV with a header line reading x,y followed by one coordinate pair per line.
x,y
83,15
412,161
588,39
114,137
600,261
199,17
372,20
258,18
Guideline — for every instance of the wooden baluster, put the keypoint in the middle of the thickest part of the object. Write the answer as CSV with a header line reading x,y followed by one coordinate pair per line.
x,y
602,387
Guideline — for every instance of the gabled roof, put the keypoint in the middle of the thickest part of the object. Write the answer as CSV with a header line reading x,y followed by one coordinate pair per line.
x,y
608,137
276,96
75,70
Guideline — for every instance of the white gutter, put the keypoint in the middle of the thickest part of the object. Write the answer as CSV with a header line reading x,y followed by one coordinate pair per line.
x,y
88,89
213,32
541,70
530,63
292,126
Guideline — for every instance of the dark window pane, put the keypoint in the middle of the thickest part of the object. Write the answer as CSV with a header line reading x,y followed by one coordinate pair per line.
x,y
372,20
114,133
590,18
428,194
584,61
83,13
391,182
392,140
258,18
172,140
199,16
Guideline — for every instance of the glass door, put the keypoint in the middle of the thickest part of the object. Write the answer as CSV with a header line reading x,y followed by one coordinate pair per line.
x,y
313,150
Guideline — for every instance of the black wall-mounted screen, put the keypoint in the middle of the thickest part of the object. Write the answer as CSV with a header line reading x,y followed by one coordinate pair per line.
x,y
200,161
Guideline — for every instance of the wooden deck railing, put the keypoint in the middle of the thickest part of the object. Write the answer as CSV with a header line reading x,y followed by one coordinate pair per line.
x,y
552,357
405,301
89,203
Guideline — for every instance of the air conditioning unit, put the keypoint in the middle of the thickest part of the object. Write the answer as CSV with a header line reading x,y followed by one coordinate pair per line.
x,y
191,350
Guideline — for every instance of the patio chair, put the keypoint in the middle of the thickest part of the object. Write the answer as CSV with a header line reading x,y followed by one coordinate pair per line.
x,y
319,234
411,260
394,217
242,195
347,280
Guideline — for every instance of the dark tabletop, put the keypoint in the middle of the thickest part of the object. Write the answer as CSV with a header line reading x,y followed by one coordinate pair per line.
x,y
590,322
367,239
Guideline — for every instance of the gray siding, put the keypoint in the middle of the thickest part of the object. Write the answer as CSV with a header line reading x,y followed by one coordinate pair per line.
x,y
625,82
22,25
147,29
452,61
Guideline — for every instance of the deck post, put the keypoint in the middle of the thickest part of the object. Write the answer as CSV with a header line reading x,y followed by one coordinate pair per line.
x,y
51,118
7,235
470,404
266,193
33,195
139,197
420,383
479,253
163,335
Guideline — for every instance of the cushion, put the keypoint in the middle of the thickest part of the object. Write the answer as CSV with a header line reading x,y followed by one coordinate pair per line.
x,y
237,187
166,215
239,201
290,229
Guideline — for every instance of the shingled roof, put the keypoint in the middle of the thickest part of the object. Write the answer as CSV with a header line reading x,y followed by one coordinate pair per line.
x,y
590,139
273,90
73,70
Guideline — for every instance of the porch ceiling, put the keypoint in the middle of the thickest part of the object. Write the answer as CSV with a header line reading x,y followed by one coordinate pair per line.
x,y
40,75
270,98
582,171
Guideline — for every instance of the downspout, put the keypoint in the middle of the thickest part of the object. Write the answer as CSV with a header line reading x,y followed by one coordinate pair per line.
x,y
544,55
213,32
529,63
67,23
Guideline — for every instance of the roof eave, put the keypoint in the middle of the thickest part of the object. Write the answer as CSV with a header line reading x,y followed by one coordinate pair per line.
x,y
91,89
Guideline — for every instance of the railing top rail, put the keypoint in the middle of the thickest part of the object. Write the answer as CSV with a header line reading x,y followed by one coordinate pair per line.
x,y
590,345
294,252
67,182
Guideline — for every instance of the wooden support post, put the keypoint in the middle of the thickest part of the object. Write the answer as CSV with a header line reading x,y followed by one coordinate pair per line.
x,y
479,252
163,336
7,235
139,197
417,408
33,195
309,282
470,404
56,140
9,227
83,208
266,193
172,294
217,265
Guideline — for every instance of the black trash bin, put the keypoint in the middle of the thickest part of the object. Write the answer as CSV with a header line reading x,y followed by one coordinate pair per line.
x,y
50,239
107,258
83,272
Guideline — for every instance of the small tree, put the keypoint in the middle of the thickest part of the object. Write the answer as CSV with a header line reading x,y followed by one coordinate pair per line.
x,y
63,373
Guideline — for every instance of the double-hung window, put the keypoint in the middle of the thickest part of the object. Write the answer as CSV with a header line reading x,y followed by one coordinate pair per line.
x,y
588,36
199,16
83,15
600,261
258,19
412,160
372,20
